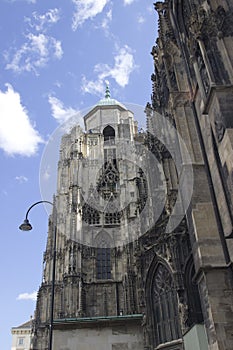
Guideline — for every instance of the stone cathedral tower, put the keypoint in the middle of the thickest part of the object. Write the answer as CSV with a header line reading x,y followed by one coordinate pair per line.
x,y
142,264
101,208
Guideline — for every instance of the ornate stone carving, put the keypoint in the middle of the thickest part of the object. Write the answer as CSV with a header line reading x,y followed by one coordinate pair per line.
x,y
224,21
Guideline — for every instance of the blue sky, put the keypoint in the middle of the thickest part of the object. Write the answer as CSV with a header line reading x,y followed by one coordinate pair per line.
x,y
55,59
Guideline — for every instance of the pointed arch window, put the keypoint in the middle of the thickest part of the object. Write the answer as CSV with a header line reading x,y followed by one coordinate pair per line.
x,y
165,306
103,256
108,132
109,135
103,263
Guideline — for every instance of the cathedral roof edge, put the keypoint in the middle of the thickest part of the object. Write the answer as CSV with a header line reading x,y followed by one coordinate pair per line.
x,y
96,107
99,319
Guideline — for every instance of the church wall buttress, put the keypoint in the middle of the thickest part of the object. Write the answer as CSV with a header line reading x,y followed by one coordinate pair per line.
x,y
203,59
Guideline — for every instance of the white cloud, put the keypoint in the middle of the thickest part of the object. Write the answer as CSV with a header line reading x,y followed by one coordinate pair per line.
x,y
38,48
107,19
86,9
120,72
96,87
21,179
43,21
27,296
59,112
124,66
58,52
141,19
128,2
35,53
17,134
66,116
58,84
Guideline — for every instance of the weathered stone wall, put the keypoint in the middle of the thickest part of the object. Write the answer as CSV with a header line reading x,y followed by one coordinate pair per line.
x,y
119,337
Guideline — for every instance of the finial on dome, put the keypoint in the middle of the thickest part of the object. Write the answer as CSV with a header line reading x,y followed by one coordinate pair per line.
x,y
107,91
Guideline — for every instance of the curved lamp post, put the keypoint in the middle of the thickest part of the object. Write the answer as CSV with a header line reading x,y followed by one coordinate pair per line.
x,y
26,226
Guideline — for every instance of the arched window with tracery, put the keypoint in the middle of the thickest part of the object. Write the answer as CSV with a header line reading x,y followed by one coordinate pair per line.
x,y
165,306
108,181
112,218
90,215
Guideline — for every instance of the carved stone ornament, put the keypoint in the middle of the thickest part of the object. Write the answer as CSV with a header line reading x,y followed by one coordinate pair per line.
x,y
224,21
205,22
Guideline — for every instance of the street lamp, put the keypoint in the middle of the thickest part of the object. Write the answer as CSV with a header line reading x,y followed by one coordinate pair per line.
x,y
26,226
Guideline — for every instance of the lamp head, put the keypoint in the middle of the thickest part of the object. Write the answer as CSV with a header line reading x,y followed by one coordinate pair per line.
x,y
25,226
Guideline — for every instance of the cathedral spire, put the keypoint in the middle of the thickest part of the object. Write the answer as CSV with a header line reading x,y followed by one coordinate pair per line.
x,y
107,100
107,90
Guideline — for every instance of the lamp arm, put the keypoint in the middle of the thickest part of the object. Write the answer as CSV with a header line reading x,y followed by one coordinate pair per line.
x,y
26,217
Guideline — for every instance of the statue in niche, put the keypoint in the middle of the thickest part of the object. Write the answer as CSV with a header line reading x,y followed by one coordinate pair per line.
x,y
202,70
219,127
72,265
173,80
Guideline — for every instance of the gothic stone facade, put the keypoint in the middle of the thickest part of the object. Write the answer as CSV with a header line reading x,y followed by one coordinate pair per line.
x,y
123,279
192,88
